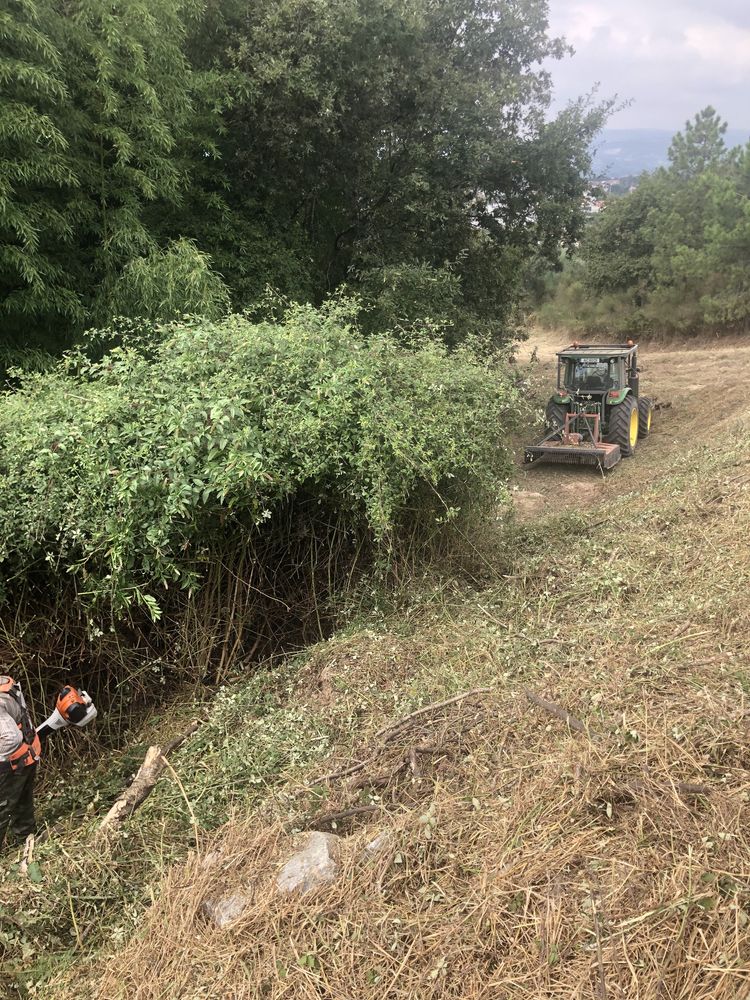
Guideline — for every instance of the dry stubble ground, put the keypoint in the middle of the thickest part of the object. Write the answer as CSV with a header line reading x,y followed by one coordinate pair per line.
x,y
529,854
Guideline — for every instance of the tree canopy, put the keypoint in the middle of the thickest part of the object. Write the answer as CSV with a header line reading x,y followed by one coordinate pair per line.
x,y
293,144
673,254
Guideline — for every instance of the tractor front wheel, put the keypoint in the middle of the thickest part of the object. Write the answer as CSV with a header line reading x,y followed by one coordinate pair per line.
x,y
645,411
555,414
623,426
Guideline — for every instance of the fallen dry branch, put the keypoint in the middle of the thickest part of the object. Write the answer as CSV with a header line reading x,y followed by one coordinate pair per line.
x,y
343,773
142,785
327,819
683,787
570,720
376,780
390,732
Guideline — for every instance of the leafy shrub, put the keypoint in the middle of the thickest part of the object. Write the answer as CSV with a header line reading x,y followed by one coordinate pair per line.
x,y
403,296
131,473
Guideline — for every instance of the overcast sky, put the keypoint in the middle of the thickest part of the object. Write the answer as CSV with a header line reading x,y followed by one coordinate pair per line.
x,y
671,57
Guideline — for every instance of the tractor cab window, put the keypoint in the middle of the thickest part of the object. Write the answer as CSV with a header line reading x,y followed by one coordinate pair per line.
x,y
595,374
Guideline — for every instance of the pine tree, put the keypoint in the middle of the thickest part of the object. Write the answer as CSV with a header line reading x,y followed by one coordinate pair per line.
x,y
700,147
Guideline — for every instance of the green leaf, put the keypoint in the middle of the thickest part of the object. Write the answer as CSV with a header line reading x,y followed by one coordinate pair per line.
x,y
34,872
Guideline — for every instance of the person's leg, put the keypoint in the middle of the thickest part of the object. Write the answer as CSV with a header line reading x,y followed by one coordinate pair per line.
x,y
6,808
13,787
23,822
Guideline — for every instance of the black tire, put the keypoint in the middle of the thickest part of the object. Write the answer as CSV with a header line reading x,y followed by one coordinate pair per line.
x,y
645,409
621,428
555,414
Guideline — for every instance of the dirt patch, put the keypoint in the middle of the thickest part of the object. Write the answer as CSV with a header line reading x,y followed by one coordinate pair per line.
x,y
568,492
528,504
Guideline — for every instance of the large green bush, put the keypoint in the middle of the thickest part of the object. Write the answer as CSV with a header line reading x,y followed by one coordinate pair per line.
x,y
127,474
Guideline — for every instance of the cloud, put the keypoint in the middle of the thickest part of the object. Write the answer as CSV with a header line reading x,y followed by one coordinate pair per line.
x,y
722,45
670,57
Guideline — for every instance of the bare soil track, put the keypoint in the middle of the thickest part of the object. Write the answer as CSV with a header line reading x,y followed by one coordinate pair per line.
x,y
706,386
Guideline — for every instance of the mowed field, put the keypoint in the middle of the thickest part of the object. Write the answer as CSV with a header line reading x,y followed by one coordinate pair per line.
x,y
703,389
535,764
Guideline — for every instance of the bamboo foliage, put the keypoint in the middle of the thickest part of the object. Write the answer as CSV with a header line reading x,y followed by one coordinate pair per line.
x,y
94,96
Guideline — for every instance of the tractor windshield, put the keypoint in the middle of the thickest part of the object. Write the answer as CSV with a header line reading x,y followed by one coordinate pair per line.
x,y
595,374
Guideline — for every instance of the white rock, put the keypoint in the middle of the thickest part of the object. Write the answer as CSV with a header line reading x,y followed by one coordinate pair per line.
x,y
314,865
378,844
226,909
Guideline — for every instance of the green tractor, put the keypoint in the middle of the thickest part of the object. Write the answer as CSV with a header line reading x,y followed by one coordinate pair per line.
x,y
597,415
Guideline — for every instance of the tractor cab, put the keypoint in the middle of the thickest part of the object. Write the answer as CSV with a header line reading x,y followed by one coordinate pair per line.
x,y
597,369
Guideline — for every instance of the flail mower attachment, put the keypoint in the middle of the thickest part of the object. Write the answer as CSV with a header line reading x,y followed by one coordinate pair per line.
x,y
582,446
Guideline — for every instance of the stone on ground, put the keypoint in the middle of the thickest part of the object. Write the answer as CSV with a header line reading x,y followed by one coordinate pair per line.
x,y
314,865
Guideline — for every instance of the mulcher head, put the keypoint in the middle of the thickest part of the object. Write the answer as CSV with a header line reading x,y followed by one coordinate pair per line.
x,y
602,455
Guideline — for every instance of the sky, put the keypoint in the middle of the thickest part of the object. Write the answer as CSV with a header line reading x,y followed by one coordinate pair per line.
x,y
669,57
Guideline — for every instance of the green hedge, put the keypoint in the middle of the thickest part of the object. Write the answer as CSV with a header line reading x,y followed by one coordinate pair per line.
x,y
127,472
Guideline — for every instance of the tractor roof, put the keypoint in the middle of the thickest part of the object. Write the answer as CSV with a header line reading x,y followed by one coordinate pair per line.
x,y
597,350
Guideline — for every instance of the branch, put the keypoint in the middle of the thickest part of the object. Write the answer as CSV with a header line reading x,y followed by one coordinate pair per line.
x,y
389,732
560,713
142,785
335,817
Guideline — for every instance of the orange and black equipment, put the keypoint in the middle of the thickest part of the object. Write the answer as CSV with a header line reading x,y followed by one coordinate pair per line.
x,y
71,705
30,749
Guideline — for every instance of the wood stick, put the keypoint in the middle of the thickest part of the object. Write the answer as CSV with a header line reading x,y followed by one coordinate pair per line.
x,y
376,780
691,788
684,787
327,818
28,855
560,713
142,785
388,732
343,773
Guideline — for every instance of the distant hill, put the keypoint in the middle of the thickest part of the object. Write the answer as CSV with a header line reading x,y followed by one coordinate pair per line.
x,y
620,152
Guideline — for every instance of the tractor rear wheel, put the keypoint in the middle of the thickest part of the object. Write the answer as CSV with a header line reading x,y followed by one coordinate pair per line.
x,y
623,426
555,414
645,410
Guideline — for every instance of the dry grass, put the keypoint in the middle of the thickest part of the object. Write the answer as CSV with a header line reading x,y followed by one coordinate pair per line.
x,y
526,859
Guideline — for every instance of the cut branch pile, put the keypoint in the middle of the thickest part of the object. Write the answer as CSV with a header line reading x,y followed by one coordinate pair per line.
x,y
391,762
